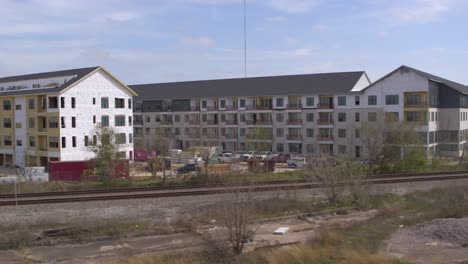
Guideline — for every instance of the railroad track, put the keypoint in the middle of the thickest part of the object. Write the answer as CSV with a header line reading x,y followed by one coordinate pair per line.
x,y
183,190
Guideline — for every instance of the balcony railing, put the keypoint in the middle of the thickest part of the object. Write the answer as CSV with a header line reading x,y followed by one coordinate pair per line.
x,y
212,122
231,107
294,122
325,137
194,135
420,105
294,137
194,122
231,136
212,108
42,129
294,106
166,122
250,107
263,107
325,121
325,106
195,108
231,122
264,122
250,122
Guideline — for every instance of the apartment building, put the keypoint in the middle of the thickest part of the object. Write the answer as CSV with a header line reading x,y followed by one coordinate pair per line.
x,y
51,116
309,114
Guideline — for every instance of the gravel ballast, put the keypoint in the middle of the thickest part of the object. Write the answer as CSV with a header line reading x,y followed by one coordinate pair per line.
x,y
448,230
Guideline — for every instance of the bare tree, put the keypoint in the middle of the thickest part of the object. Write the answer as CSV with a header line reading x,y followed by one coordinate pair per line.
x,y
372,135
162,142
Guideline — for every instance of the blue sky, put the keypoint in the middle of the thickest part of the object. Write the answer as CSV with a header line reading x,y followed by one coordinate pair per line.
x,y
143,41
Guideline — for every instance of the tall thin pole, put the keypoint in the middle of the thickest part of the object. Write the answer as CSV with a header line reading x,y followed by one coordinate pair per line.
x,y
245,38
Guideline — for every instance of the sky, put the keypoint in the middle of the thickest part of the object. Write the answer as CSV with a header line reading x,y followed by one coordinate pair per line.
x,y
149,41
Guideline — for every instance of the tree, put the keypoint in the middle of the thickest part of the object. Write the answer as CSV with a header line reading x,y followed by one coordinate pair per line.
x,y
162,142
373,141
107,152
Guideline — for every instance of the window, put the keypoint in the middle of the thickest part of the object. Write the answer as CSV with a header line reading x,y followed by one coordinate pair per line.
x,y
310,132
32,122
310,148
279,102
177,118
62,122
414,116
279,147
130,120
6,105
119,103
177,131
413,99
341,100
204,117
222,117
242,102
18,125
357,100
222,103
279,132
19,143
32,141
74,141
7,122
64,142
73,102
357,117
242,132
86,141
392,116
357,133
94,100
342,117
392,99
62,102
372,100
342,149
341,133
53,121
31,103
53,102
309,101
204,104
130,138
129,103
104,102
357,152
18,107
310,117
73,121
279,117
104,121
120,138
205,131
372,116
7,140
94,119
53,142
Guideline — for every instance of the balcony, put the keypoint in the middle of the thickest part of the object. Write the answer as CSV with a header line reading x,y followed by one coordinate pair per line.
x,y
325,137
212,135
294,122
231,136
263,107
325,106
294,106
264,122
250,122
420,105
195,108
194,135
250,107
325,121
231,107
166,122
231,122
42,129
295,137
212,122
212,108
194,122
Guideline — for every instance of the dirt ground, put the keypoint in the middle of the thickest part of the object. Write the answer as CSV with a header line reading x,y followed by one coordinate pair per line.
x,y
437,241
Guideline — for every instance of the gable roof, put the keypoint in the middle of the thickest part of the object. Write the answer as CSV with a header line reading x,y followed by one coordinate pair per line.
x,y
454,85
340,82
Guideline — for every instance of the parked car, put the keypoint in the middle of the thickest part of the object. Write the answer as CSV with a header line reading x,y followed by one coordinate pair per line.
x,y
296,162
281,158
264,155
248,155
237,155
187,168
225,157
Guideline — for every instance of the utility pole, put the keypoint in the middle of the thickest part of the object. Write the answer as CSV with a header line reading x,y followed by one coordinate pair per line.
x,y
245,38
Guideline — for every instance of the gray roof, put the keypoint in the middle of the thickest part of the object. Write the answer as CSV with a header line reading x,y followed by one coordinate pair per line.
x,y
320,83
80,73
454,85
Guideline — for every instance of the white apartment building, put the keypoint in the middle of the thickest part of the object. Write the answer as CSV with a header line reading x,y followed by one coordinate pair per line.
x,y
51,116
309,114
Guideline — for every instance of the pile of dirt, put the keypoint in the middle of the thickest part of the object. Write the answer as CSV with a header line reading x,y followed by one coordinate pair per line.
x,y
449,230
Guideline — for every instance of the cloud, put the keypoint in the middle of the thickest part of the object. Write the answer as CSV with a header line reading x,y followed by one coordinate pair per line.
x,y
200,41
276,19
120,17
318,28
291,40
419,11
383,34
301,52
292,6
